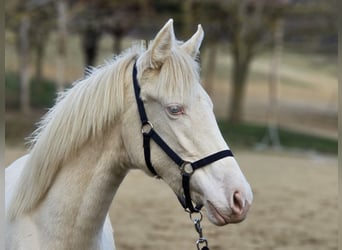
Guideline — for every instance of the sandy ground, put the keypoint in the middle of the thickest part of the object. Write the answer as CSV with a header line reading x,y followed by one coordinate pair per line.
x,y
295,207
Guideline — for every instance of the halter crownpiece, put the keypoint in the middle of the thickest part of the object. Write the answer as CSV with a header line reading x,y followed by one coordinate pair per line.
x,y
187,168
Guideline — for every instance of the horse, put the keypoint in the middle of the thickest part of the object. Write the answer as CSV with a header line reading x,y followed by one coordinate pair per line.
x,y
113,120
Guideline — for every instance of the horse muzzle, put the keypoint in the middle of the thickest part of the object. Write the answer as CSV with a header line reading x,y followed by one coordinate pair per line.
x,y
235,213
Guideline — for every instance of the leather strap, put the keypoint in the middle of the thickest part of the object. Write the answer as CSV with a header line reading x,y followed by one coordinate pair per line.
x,y
186,168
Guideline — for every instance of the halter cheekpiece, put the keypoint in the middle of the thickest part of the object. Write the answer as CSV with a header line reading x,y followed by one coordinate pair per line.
x,y
187,168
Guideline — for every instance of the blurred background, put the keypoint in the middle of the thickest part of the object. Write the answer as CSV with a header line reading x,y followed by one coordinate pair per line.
x,y
263,62
270,67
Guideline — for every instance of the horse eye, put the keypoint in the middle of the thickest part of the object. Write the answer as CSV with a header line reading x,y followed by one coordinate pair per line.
x,y
175,109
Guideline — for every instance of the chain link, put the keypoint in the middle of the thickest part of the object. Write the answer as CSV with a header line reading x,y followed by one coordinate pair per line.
x,y
201,243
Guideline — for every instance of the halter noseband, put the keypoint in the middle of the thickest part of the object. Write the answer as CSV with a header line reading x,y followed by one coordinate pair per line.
x,y
186,168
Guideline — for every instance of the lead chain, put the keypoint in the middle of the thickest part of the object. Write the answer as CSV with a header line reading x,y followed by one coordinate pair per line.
x,y
201,243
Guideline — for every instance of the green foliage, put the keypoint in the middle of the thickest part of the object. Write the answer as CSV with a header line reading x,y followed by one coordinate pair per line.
x,y
12,89
42,92
249,135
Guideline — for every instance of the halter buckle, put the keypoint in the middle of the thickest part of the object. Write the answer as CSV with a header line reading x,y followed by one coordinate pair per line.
x,y
186,168
146,128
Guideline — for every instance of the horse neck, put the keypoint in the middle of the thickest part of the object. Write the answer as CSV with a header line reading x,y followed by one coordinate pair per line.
x,y
78,201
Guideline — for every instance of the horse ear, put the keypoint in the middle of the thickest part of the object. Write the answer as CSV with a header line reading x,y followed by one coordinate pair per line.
x,y
193,44
162,44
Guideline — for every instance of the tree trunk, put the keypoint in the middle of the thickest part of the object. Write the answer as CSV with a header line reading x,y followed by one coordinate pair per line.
x,y
241,55
90,40
61,43
211,68
117,43
272,135
24,70
38,77
187,10
39,61
239,79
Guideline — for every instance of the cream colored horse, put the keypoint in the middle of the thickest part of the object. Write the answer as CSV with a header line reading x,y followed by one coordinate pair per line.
x,y
58,195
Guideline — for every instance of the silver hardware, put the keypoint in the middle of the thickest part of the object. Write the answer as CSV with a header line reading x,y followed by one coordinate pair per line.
x,y
186,168
194,219
198,228
197,223
201,241
146,128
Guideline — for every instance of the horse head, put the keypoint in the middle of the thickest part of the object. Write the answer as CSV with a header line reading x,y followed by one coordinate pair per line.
x,y
182,114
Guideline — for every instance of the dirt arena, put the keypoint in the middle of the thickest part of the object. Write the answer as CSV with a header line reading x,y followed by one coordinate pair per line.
x,y
295,207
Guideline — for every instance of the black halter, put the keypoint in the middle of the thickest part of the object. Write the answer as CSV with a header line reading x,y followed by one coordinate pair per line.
x,y
186,168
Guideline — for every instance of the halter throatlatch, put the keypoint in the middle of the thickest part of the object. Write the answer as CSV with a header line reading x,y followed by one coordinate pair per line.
x,y
186,168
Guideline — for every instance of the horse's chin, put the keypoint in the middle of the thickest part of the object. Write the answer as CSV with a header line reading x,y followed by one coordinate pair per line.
x,y
221,217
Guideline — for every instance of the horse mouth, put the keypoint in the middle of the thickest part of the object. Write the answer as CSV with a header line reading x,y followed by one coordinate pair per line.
x,y
220,218
215,216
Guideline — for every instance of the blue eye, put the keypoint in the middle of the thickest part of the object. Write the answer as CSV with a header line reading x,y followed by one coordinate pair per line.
x,y
175,109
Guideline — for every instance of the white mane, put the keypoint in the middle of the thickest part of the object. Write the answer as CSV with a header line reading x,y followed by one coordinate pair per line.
x,y
81,113
85,111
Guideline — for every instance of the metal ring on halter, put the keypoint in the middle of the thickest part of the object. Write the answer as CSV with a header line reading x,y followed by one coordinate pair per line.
x,y
196,219
146,128
186,168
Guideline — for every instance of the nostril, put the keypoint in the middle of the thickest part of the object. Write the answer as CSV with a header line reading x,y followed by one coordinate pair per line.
x,y
238,203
